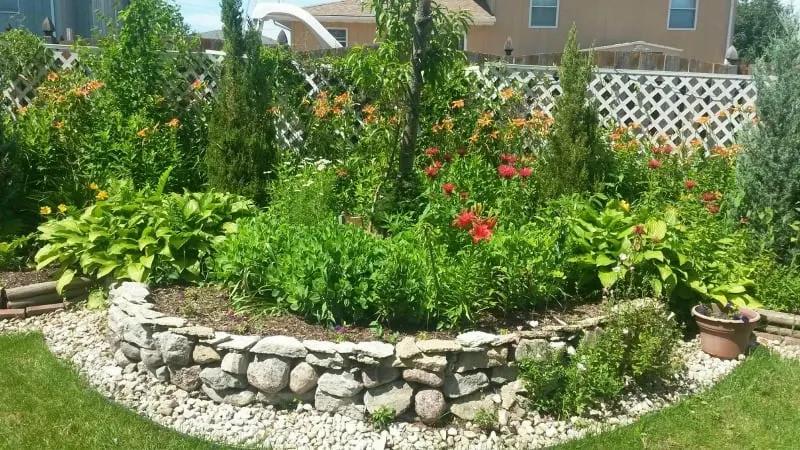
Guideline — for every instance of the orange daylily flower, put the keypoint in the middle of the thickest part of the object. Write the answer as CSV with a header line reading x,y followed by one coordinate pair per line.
x,y
457,104
174,122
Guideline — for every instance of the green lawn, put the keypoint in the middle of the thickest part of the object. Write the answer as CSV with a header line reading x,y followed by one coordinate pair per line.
x,y
45,405
756,407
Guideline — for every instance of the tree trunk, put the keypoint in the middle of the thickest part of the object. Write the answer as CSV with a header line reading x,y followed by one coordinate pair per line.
x,y
421,40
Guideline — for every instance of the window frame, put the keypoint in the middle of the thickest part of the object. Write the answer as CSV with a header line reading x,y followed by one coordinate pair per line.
x,y
669,16
530,15
346,34
464,41
4,11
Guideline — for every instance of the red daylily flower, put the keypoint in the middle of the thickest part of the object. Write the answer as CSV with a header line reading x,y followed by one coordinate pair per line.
x,y
712,208
654,164
465,219
448,157
432,171
525,172
480,231
433,151
638,230
506,171
508,159
689,184
448,188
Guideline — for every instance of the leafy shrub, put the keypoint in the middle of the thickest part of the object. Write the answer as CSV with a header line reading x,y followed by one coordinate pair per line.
x,y
777,285
141,235
683,253
126,122
636,347
768,171
334,273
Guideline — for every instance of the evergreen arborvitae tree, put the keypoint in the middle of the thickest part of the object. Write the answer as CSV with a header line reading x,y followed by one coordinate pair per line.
x,y
768,170
243,147
575,160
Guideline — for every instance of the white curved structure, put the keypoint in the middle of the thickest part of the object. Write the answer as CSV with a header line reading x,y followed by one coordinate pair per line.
x,y
282,11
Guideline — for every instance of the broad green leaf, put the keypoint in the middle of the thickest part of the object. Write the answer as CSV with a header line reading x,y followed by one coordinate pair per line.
x,y
106,269
654,254
657,229
147,261
64,280
144,241
658,287
604,260
608,277
135,271
664,271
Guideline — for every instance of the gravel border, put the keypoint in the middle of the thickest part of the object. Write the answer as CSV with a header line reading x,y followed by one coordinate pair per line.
x,y
77,336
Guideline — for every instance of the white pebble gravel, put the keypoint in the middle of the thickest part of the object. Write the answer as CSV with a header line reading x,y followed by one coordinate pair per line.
x,y
77,336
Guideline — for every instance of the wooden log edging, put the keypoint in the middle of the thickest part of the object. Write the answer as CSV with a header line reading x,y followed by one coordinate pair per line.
x,y
779,324
40,298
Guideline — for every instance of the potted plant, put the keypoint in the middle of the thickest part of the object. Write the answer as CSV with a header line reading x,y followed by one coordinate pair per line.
x,y
725,330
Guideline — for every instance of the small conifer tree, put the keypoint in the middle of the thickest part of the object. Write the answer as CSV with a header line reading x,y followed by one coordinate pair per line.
x,y
243,148
575,160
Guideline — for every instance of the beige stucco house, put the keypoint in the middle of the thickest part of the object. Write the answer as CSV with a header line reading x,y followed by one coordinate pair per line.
x,y
701,29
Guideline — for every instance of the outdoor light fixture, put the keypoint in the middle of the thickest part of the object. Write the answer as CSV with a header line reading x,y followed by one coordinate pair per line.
x,y
509,47
48,29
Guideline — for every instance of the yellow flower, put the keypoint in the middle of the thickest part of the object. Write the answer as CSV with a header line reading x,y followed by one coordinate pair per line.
x,y
142,133
93,186
457,104
102,195
703,120
625,205
22,110
197,84
696,142
45,210
62,208
722,114
507,93
52,76
59,125
174,122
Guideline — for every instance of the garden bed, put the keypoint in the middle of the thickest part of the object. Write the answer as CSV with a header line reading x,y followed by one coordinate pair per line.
x,y
211,307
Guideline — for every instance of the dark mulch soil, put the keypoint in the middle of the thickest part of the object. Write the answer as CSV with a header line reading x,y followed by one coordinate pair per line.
x,y
12,279
210,306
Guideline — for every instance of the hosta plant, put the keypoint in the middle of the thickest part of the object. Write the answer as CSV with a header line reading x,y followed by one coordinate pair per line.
x,y
140,235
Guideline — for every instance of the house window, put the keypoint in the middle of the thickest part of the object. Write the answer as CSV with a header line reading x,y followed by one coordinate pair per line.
x,y
682,14
462,43
544,14
340,34
9,6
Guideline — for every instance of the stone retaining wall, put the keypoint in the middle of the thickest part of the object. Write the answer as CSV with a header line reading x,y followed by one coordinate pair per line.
x,y
419,379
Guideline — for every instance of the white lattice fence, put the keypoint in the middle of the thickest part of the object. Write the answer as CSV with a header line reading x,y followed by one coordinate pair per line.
x,y
664,103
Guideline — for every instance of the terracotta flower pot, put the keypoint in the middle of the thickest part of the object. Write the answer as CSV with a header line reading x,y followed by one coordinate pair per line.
x,y
725,338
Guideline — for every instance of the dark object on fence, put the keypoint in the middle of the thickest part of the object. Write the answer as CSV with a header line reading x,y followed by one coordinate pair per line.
x,y
48,29
509,47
